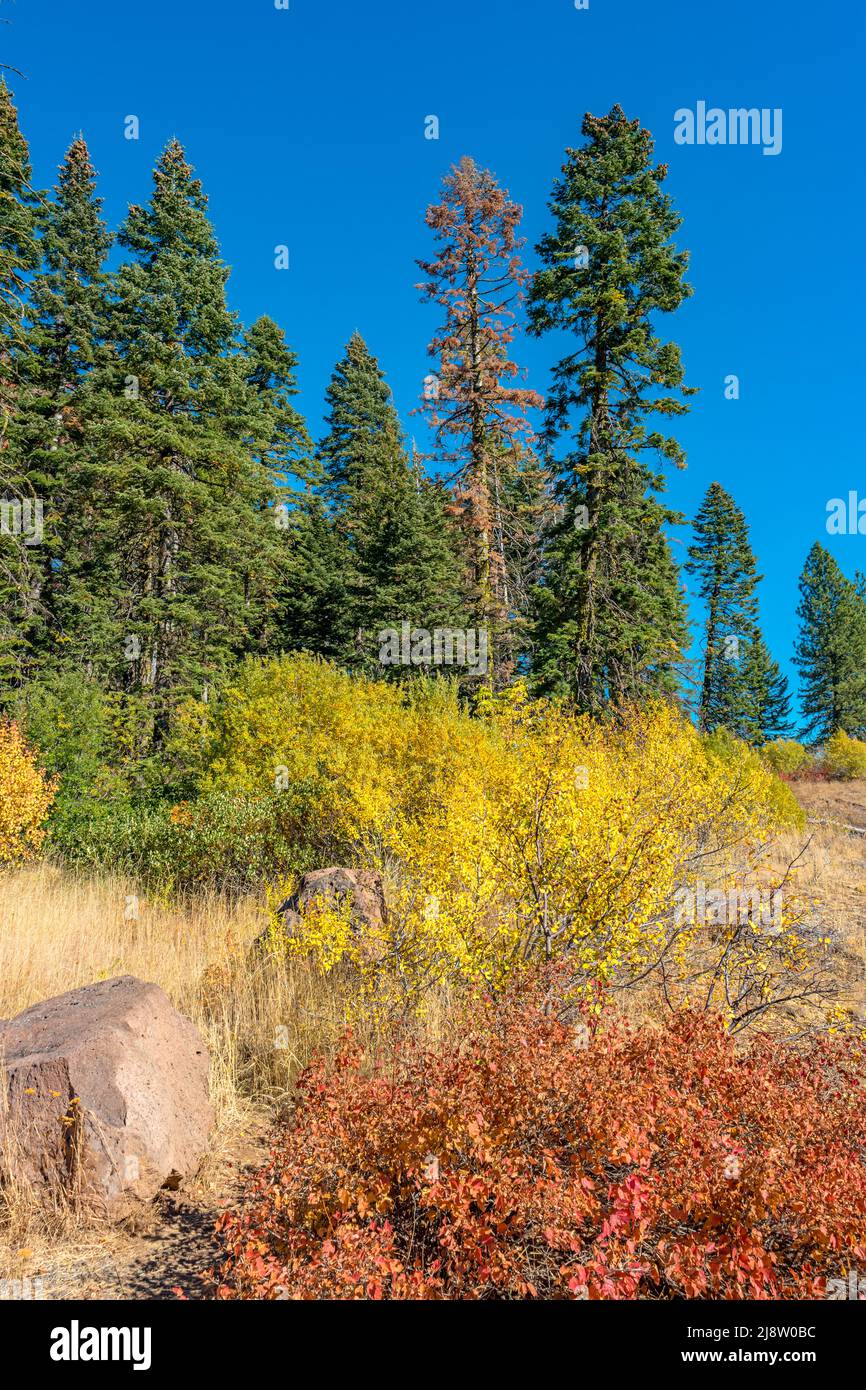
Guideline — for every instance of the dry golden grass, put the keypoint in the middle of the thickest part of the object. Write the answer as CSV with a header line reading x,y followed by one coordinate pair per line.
x,y
261,1017
836,801
830,871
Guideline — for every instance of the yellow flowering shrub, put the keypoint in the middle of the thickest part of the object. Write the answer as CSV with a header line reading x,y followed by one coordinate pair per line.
x,y
845,757
574,837
327,932
752,763
299,725
516,833
26,795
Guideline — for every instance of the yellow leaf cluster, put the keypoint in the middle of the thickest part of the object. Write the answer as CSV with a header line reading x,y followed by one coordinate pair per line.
x,y
26,795
845,757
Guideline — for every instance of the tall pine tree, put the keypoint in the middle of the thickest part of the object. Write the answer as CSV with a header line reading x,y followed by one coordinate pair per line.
x,y
191,557
610,621
722,561
283,441
765,711
831,648
21,503
66,337
405,562
358,414
316,609
19,251
280,441
741,688
402,564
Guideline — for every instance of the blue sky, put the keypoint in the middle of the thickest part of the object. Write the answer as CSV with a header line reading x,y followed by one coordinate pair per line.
x,y
306,127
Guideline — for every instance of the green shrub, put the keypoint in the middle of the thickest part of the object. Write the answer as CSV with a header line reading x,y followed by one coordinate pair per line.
x,y
77,731
234,842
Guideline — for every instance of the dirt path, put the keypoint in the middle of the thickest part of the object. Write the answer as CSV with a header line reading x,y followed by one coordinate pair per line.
x,y
172,1245
835,873
840,802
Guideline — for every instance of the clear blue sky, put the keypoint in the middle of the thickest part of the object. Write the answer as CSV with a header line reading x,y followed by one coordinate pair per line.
x,y
306,127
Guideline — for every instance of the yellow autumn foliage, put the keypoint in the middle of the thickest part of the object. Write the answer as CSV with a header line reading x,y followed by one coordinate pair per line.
x,y
516,832
845,757
26,795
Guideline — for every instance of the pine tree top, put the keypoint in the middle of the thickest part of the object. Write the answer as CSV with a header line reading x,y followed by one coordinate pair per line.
x,y
609,267
15,170
360,413
176,216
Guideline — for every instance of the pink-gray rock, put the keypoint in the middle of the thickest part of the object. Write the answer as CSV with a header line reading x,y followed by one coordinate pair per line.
x,y
362,888
333,886
106,1091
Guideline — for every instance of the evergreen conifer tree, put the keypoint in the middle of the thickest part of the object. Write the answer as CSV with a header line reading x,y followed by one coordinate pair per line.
x,y
66,339
281,443
831,648
610,621
401,561
21,503
190,558
315,608
405,562
741,688
359,413
766,709
721,560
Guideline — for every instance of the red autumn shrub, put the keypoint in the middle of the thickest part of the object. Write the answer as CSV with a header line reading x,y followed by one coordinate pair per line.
x,y
534,1159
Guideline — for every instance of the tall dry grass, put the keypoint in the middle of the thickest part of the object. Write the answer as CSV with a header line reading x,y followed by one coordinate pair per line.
x,y
261,1017
830,871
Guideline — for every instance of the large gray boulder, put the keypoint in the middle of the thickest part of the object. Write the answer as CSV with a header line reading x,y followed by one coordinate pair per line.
x,y
105,1090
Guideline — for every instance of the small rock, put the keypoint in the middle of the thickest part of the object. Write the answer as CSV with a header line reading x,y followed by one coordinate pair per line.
x,y
332,887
